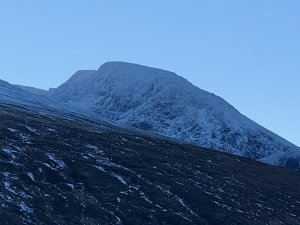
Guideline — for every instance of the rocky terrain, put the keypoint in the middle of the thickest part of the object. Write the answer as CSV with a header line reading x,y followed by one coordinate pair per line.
x,y
61,169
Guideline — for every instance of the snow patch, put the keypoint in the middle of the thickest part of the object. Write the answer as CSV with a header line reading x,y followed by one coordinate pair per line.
x,y
12,130
25,208
120,178
91,146
60,163
31,176
30,129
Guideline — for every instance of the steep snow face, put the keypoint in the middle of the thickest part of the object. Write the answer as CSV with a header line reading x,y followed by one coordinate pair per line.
x,y
165,103
77,90
77,86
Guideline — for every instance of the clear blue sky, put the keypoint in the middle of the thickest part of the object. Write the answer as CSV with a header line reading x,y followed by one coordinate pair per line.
x,y
246,51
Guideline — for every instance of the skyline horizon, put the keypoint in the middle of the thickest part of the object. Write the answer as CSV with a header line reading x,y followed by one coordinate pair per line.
x,y
247,52
168,71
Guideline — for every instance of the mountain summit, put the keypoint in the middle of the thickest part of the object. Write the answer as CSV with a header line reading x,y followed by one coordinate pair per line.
x,y
162,102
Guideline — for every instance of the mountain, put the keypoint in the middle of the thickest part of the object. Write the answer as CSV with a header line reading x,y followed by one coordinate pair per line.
x,y
62,169
162,102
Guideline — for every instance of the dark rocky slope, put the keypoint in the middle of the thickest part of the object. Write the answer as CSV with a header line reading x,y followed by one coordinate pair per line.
x,y
66,170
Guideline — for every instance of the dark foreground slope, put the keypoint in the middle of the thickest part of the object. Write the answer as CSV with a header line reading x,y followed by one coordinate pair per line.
x,y
57,170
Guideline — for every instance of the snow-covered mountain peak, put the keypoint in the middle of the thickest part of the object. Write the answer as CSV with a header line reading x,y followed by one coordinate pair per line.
x,y
137,78
165,103
134,85
161,102
135,71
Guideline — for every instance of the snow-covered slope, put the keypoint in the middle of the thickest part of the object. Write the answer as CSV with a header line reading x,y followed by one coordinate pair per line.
x,y
13,94
33,90
32,97
165,103
77,89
